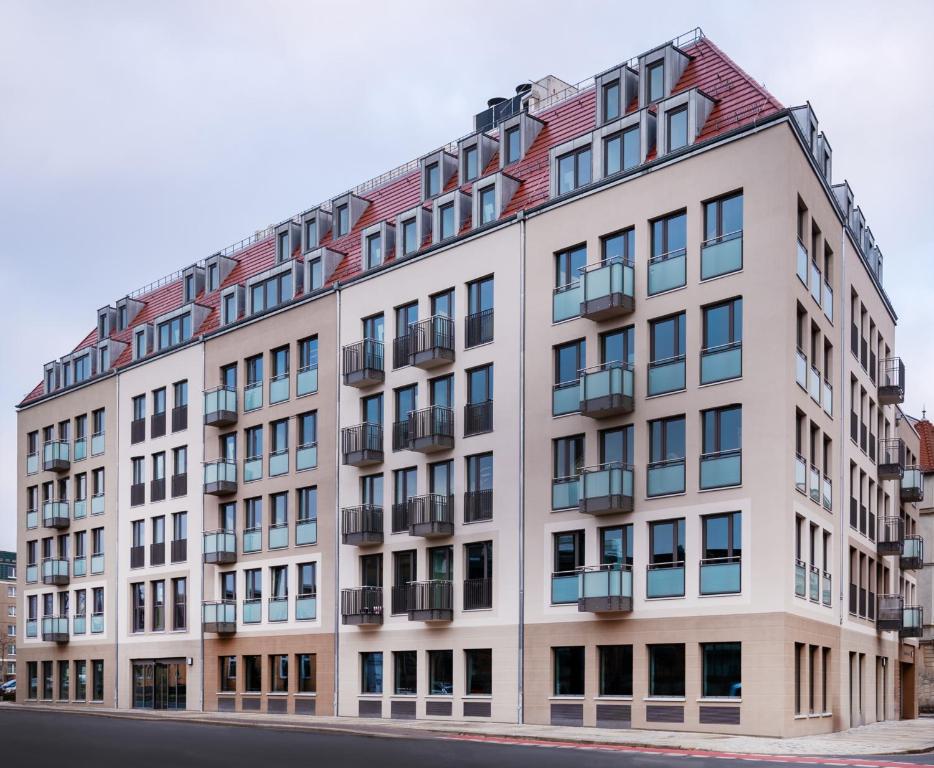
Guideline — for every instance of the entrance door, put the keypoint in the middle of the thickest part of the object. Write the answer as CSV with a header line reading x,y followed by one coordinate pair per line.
x,y
160,684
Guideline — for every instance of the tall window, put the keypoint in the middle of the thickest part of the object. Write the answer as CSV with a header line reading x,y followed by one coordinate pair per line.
x,y
655,81
410,239
470,161
432,180
666,454
666,355
405,673
487,204
722,669
677,127
665,576
568,265
611,99
371,672
478,672
721,460
621,151
666,670
279,673
158,606
374,251
616,545
615,670
568,458
342,220
721,355
666,265
307,672
568,551
440,673
574,170
723,218
722,545
568,670
446,216
228,674
138,591
512,144
570,360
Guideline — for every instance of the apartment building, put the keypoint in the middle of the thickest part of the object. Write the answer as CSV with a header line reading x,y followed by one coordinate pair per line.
x,y
709,522
8,614
925,432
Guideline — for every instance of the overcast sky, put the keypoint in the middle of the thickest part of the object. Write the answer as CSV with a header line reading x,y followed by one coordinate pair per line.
x,y
137,138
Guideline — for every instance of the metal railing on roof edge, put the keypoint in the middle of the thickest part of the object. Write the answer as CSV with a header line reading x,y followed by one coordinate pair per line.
x,y
541,105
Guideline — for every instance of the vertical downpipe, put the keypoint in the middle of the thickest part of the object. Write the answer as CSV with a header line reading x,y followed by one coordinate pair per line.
x,y
844,302
521,655
204,378
337,501
116,596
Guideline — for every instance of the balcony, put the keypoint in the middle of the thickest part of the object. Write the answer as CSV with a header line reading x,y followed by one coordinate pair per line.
x,y
664,478
178,550
608,289
253,396
912,558
891,536
722,255
431,600
56,456
362,445
891,613
220,477
306,381
667,271
666,375
362,526
220,407
565,492
478,505
721,469
478,328
431,342
815,282
431,429
722,363
665,579
566,302
891,458
363,364
912,487
220,547
606,390
55,571
478,418
912,622
478,594
55,629
720,576
431,516
566,397
891,381
362,606
55,514
606,489
604,589
827,301
219,616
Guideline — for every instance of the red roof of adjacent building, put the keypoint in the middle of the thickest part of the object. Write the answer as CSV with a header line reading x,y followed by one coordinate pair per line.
x,y
740,101
926,433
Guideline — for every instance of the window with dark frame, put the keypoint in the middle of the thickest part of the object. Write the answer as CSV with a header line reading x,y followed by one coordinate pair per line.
x,y
655,81
721,674
568,670
611,99
512,144
666,669
574,170
677,128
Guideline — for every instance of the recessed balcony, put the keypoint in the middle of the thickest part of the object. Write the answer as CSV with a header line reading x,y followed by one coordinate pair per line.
x,y
891,462
220,407
55,514
430,429
721,363
56,456
665,579
605,589
362,606
431,601
890,537
431,342
666,375
608,289
55,571
667,271
362,526
364,364
891,613
606,489
362,445
220,547
912,486
891,381
912,622
722,255
55,629
912,558
220,477
606,390
431,516
219,616
720,575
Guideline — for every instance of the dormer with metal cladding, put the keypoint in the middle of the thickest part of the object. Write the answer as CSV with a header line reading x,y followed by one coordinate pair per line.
x,y
659,72
516,137
177,327
816,142
288,240
346,211
436,170
108,350
273,287
616,89
449,215
106,322
316,224
192,283
680,119
491,196
377,243
216,269
413,227
474,154
320,264
127,310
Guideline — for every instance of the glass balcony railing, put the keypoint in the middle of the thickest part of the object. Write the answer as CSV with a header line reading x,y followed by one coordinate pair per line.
x,y
278,463
800,578
814,384
306,607
605,588
721,469
278,609
720,575
815,283
801,261
801,369
667,271
827,492
279,389
97,443
252,468
97,504
722,255
220,546
81,448
666,375
565,492
608,289
607,389
32,573
220,476
306,457
801,474
721,363
252,611
32,518
815,484
55,514
606,489
566,398
253,396
32,628
565,587
79,624
306,382
912,485
665,477
827,398
80,566
814,575
32,463
220,406
219,616
253,539
97,623
665,579
826,588
566,302
279,536
306,532
97,564
80,509
828,301
56,455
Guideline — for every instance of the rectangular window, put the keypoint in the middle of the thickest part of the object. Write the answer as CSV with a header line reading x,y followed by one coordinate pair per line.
x,y
279,673
677,125
721,352
512,144
721,459
574,170
405,673
568,265
621,151
97,680
252,674
667,262
568,458
666,456
487,204
568,551
665,574
432,180
570,359
228,674
81,681
158,606
175,331
568,670
616,545
374,251
342,220
410,239
311,233
615,670
611,99
478,672
138,591
722,670
655,81
470,160
271,292
440,673
230,308
446,216
306,664
371,672
666,670
179,604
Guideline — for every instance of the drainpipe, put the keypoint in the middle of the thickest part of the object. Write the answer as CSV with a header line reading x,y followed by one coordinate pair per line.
x,y
204,378
337,503
844,389
521,624
115,623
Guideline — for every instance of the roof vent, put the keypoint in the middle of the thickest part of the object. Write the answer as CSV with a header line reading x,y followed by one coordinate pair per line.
x,y
523,88
498,109
494,101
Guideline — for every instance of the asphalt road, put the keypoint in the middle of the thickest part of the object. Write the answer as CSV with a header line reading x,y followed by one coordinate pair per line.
x,y
56,739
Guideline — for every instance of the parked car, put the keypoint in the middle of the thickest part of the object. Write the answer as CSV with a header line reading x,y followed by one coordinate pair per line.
x,y
8,690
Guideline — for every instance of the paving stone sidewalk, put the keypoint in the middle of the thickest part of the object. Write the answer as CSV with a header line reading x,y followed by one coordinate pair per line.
x,y
887,738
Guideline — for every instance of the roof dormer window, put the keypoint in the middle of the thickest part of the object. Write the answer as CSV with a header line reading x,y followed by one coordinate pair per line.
x,y
655,81
343,220
432,180
574,169
374,251
469,169
189,288
622,151
139,344
288,239
410,238
311,234
518,135
213,277
490,196
316,223
681,119
82,368
487,200
174,331
229,308
676,121
611,105
103,360
122,317
437,170
446,218
413,226
282,246
512,145
192,282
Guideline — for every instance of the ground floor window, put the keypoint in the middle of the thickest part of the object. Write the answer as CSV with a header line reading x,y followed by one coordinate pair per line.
x,y
279,672
252,674
63,686
615,670
81,680
479,671
228,674
307,672
371,672
568,670
440,673
47,687
666,670
97,680
32,680
405,673
721,669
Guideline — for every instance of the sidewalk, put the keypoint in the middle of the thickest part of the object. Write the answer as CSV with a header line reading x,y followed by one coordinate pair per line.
x,y
887,738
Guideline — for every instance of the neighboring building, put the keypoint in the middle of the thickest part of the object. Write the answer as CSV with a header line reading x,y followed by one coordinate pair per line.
x,y
690,500
925,430
8,614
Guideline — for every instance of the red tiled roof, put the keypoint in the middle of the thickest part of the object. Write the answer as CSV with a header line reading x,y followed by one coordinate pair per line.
x,y
739,100
926,433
